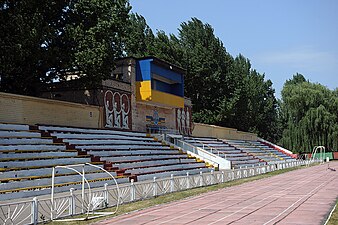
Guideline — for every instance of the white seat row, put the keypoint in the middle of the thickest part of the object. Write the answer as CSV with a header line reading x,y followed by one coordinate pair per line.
x,y
238,158
141,158
165,168
47,181
108,147
4,126
153,163
13,155
11,133
17,141
99,136
134,152
46,162
33,147
41,172
109,142
47,191
90,131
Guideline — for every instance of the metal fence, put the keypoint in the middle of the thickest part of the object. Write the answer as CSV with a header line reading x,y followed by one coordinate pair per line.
x,y
37,211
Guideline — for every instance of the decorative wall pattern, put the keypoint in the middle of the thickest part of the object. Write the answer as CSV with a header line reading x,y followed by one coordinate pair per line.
x,y
184,120
117,110
155,120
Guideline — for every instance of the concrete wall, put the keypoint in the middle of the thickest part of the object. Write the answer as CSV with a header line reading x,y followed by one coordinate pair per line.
x,y
205,130
142,111
30,110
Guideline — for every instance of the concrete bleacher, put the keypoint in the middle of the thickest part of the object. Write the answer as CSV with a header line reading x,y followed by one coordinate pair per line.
x,y
237,157
269,149
132,154
260,150
27,159
29,153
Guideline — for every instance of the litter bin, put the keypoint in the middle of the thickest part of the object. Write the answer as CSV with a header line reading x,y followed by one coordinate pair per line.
x,y
327,159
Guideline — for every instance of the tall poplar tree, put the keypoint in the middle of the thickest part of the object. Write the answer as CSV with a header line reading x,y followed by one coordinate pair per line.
x,y
42,40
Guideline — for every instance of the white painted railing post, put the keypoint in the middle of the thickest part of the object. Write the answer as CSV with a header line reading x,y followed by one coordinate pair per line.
x,y
34,213
201,179
71,202
106,195
222,178
212,178
172,184
132,191
188,182
154,187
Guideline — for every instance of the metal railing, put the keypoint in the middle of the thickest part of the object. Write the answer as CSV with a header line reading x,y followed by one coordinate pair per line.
x,y
161,130
36,211
211,149
204,154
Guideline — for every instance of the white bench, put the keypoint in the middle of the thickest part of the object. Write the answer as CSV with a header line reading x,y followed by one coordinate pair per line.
x,y
46,162
41,172
33,147
131,152
17,141
141,158
107,147
4,126
90,131
11,133
152,163
12,155
47,191
165,168
109,142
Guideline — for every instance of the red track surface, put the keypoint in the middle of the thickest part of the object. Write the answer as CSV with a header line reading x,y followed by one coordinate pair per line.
x,y
303,196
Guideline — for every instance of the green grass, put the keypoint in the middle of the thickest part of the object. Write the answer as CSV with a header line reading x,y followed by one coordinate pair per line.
x,y
334,217
134,206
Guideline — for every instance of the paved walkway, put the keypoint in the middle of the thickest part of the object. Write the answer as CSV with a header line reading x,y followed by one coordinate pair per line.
x,y
303,196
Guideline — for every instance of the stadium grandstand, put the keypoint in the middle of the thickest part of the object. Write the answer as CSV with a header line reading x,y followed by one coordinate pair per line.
x,y
137,126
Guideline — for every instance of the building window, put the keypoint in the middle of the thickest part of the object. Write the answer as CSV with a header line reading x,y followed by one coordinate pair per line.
x,y
118,76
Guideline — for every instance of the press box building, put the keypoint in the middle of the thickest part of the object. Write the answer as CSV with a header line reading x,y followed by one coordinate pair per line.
x,y
143,94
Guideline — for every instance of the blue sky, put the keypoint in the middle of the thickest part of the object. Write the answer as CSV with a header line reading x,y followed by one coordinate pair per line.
x,y
280,37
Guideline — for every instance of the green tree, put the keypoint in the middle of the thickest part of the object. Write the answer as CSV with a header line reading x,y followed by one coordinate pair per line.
x,y
42,40
207,63
140,39
27,27
310,113
224,90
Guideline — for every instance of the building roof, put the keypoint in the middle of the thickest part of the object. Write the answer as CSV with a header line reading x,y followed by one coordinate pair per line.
x,y
160,62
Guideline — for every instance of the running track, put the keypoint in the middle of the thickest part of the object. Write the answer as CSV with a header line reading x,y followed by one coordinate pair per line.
x,y
303,196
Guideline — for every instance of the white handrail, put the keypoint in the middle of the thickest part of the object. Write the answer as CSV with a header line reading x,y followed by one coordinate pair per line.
x,y
203,144
194,147
220,162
